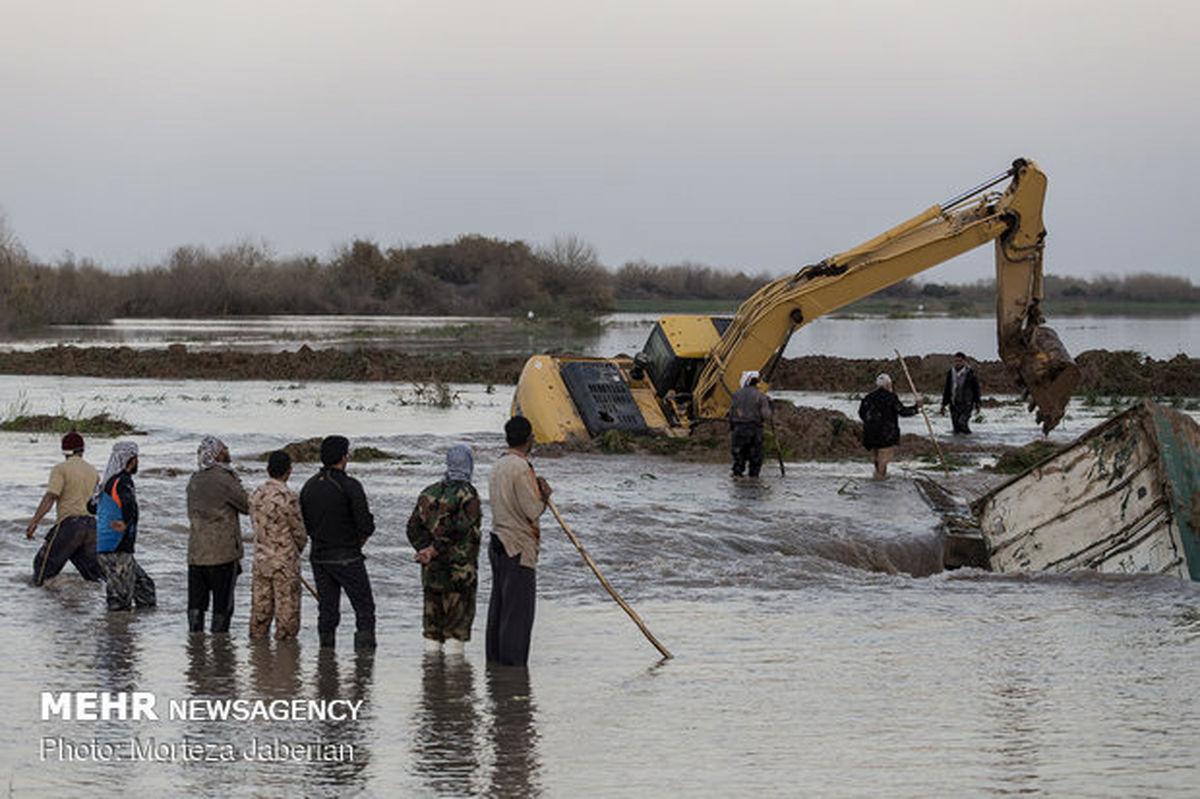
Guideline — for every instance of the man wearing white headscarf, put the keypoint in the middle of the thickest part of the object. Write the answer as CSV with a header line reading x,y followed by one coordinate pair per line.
x,y
215,497
444,530
880,411
116,531
749,408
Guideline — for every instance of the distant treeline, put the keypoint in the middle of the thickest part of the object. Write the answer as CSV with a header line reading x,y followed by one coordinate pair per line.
x,y
471,275
1105,294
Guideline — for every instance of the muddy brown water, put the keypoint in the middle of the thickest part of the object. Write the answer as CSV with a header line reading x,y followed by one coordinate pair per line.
x,y
819,647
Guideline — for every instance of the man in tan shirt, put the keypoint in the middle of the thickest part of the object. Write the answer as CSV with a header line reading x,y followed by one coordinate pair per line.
x,y
73,536
518,497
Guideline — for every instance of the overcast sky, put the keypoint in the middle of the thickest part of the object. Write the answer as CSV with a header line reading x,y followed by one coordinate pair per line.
x,y
760,135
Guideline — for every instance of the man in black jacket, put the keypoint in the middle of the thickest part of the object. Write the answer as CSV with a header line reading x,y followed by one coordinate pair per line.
x,y
880,412
339,522
961,393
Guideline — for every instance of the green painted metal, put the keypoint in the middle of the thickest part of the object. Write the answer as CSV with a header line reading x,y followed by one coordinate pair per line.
x,y
1179,450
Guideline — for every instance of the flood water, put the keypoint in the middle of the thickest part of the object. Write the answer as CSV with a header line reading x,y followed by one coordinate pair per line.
x,y
838,336
819,648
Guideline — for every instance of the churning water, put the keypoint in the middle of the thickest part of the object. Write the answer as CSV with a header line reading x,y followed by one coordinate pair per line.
x,y
819,648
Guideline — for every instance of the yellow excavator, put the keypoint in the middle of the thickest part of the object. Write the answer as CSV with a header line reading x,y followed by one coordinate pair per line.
x,y
691,365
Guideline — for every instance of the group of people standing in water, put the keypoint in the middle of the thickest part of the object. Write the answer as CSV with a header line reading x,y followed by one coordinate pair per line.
x,y
880,410
97,524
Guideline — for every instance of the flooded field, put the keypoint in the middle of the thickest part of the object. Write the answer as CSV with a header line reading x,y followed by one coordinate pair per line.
x,y
819,647
837,336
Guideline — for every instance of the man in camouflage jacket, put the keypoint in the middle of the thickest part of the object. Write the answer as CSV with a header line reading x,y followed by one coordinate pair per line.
x,y
279,537
444,530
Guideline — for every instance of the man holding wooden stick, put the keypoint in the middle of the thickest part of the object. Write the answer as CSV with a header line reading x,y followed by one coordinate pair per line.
x,y
518,498
880,411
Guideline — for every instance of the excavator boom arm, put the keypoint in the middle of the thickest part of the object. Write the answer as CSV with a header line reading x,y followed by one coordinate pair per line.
x,y
1032,354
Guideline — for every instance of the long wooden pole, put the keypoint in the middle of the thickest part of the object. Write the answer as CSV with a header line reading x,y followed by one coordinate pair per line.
x,y
778,450
311,590
636,620
928,424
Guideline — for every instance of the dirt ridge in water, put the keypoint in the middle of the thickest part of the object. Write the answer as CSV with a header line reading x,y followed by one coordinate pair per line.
x,y
1109,373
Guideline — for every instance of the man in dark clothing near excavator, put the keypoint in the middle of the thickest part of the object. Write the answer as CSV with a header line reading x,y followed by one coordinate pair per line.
x,y
748,409
961,394
339,522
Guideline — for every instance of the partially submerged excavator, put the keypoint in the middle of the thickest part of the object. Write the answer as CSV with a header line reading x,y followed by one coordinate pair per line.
x,y
691,365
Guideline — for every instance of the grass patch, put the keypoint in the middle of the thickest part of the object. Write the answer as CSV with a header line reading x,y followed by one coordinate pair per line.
x,y
103,425
622,442
1021,459
954,461
615,442
19,418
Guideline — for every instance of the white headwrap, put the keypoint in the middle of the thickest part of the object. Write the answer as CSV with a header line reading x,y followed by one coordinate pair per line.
x,y
746,378
884,380
206,454
460,464
122,453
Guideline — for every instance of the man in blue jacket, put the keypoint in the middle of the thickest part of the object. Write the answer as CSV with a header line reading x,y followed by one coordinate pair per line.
x,y
116,531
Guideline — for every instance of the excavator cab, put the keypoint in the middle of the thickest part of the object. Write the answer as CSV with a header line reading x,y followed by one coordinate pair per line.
x,y
677,349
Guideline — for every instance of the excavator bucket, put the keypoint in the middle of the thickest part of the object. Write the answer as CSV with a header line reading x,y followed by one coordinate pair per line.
x,y
1040,364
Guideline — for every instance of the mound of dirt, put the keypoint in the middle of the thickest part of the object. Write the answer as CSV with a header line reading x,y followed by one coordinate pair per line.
x,y
309,451
1123,373
803,434
798,432
1112,373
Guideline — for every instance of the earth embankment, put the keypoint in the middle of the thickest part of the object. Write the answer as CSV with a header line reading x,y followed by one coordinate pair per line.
x,y
1107,373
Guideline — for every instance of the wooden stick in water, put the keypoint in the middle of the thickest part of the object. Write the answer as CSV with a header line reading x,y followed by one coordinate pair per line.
x,y
928,424
605,583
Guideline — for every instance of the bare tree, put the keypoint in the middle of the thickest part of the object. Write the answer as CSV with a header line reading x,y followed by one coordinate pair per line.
x,y
572,253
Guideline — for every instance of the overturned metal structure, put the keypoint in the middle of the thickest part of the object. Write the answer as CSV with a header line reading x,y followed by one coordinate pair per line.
x,y
1122,498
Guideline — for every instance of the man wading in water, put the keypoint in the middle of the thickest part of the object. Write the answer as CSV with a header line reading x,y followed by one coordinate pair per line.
x,y
116,532
279,538
880,411
518,497
961,393
444,530
748,409
73,536
339,522
215,497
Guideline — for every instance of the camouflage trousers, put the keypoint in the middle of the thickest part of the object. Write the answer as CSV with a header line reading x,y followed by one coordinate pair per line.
x,y
126,581
449,614
275,595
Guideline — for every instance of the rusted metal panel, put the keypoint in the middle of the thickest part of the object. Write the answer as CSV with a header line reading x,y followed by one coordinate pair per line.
x,y
1121,498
